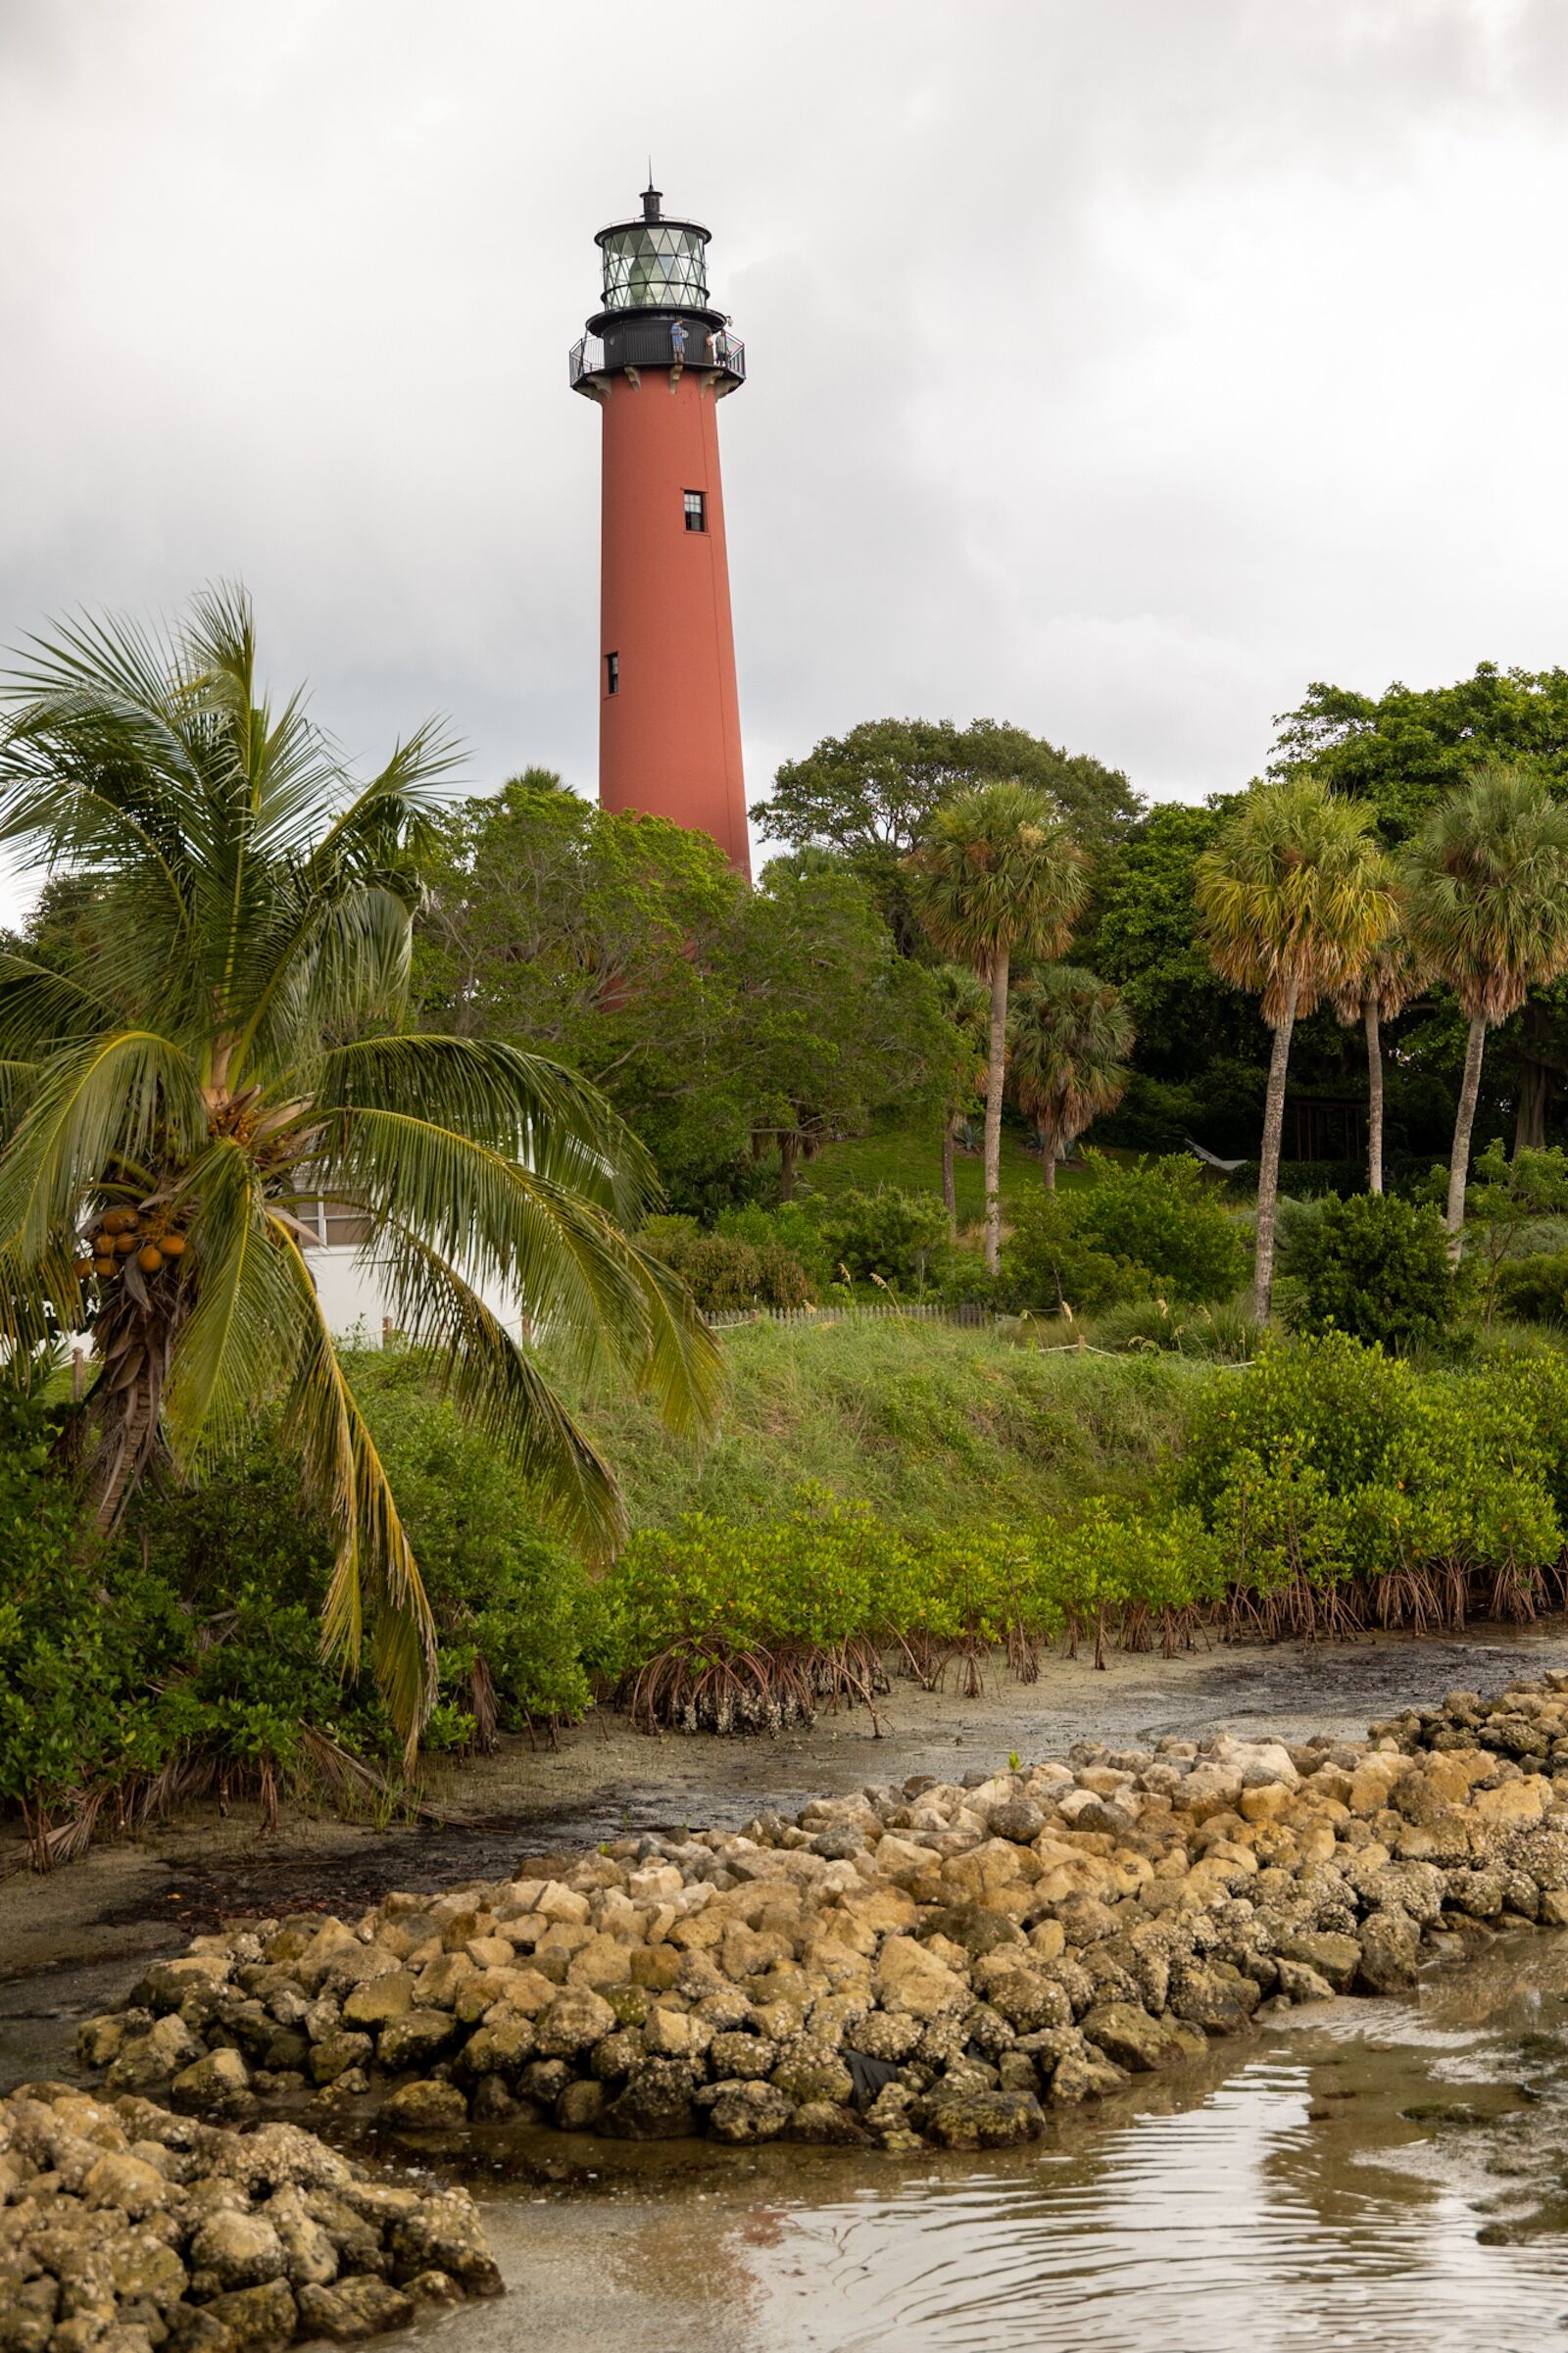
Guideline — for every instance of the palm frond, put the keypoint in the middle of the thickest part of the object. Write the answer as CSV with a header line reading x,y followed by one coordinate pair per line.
x,y
90,1104
517,1103
242,1336
375,1562
41,1009
498,1387
567,1266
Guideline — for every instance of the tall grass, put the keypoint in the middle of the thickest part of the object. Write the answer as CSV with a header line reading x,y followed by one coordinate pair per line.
x,y
928,1424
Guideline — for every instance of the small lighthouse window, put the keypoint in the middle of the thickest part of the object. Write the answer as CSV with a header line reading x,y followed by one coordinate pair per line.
x,y
695,511
612,674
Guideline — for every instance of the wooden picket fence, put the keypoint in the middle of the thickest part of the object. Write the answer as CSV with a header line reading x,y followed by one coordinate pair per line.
x,y
971,1314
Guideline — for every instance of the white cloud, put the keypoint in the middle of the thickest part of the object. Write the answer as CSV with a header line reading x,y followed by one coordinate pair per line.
x,y
1115,370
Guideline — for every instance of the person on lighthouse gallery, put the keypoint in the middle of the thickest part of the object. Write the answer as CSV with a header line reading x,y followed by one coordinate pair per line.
x,y
677,341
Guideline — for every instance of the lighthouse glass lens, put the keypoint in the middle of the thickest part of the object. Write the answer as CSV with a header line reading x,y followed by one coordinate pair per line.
x,y
652,267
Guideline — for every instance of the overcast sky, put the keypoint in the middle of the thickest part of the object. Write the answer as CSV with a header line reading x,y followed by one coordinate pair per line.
x,y
1116,367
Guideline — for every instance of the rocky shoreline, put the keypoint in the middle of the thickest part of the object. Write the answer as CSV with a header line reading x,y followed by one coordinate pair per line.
x,y
926,1964
124,2228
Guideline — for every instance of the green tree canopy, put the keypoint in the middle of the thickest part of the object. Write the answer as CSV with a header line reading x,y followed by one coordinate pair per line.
x,y
1410,748
870,795
230,1056
721,1022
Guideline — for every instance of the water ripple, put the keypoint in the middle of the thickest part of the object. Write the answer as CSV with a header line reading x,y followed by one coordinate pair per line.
x,y
1219,2231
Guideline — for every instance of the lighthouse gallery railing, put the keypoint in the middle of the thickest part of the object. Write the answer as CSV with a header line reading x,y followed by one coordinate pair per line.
x,y
648,346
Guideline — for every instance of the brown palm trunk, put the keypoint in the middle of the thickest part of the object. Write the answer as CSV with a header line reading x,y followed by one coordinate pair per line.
x,y
1374,1098
996,1079
1459,1164
1047,1158
950,1181
1268,1171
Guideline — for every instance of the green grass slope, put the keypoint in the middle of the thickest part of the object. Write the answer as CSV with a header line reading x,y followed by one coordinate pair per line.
x,y
927,1422
907,1152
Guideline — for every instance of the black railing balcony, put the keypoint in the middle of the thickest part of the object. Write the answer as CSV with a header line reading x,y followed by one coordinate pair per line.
x,y
646,344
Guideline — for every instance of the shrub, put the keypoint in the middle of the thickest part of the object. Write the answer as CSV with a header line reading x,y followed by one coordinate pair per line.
x,y
1134,1231
1373,1266
1534,1291
889,1235
1164,1217
791,1226
1049,1262
725,1274
513,1603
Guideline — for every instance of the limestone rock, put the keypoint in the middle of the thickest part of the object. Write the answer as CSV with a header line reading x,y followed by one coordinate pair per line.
x,y
237,2250
218,2084
1130,2038
355,2309
656,2103
985,2120
443,2235
147,2061
125,2182
573,2022
744,2113
911,1979
415,2038
427,2106
257,2319
1390,1945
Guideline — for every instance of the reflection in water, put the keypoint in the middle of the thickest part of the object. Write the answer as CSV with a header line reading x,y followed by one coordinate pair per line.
x,y
1217,2229
1291,2205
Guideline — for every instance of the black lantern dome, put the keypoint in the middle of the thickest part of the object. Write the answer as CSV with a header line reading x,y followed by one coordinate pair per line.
x,y
654,274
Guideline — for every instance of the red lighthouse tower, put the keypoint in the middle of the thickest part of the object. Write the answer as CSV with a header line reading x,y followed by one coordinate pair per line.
x,y
659,359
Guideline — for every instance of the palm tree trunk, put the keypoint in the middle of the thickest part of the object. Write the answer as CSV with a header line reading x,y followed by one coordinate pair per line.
x,y
1268,1172
1374,1096
1459,1164
1047,1158
996,1079
950,1183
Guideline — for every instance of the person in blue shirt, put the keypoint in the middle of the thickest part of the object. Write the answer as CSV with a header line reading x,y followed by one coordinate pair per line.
x,y
677,341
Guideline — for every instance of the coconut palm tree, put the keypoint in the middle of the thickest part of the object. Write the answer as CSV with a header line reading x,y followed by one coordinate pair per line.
x,y
997,876
1392,975
965,1004
1292,901
1070,1038
1487,884
229,1058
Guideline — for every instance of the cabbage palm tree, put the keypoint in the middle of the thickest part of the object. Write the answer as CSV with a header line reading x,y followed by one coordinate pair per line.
x,y
1070,1038
965,1004
1488,882
226,1058
1392,976
1292,901
997,876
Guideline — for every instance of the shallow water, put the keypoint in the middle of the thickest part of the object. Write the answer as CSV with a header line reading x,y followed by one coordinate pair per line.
x,y
1278,2199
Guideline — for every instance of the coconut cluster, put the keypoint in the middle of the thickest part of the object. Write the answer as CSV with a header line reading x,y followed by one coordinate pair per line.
x,y
925,1963
121,1234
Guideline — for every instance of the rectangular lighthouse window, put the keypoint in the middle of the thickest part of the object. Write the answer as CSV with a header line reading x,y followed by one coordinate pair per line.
x,y
695,511
612,674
